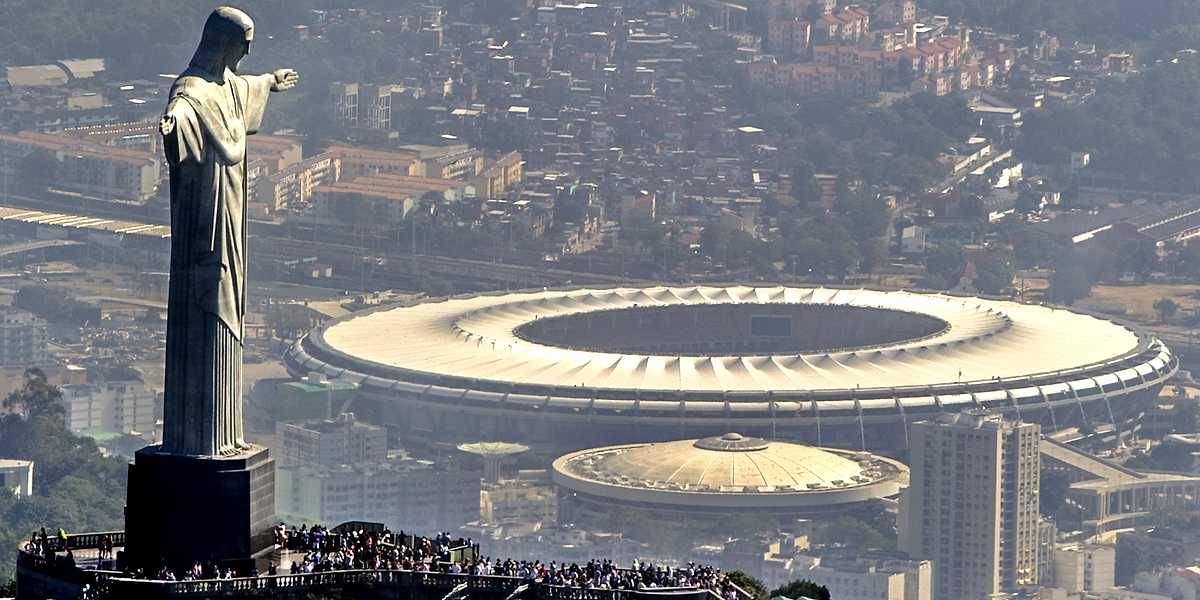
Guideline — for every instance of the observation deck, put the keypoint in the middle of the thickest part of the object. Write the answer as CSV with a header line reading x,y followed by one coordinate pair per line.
x,y
53,575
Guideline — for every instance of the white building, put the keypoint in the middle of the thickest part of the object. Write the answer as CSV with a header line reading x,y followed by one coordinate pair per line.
x,y
912,240
22,339
16,476
972,507
519,501
339,470
1178,583
871,579
341,441
115,407
401,492
1084,567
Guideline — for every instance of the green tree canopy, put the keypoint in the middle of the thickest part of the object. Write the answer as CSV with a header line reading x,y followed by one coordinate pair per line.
x,y
945,265
994,272
802,588
1166,309
752,586
74,486
37,399
1069,284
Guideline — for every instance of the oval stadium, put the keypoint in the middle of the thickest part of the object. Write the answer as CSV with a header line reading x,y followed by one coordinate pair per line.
x,y
574,368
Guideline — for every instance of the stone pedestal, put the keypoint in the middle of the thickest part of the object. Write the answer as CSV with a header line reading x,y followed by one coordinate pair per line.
x,y
181,509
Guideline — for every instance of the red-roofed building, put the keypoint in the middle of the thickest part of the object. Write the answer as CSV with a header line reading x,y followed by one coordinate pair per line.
x,y
86,167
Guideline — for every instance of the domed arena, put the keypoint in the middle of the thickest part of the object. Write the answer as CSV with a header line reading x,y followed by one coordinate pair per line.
x,y
725,475
851,368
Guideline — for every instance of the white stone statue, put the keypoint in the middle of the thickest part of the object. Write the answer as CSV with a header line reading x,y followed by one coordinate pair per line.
x,y
210,112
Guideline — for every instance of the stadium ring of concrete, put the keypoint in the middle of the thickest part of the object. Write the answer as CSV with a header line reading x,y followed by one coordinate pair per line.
x,y
580,367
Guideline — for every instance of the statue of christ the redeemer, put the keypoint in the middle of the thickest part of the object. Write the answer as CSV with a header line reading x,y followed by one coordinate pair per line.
x,y
210,112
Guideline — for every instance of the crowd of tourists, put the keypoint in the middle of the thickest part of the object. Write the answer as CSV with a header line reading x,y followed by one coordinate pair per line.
x,y
382,550
325,550
606,575
42,544
317,549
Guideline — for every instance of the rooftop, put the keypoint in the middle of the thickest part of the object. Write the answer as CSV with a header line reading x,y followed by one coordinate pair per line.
x,y
729,470
480,338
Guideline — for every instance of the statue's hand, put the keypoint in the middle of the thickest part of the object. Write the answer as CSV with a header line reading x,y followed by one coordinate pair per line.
x,y
285,79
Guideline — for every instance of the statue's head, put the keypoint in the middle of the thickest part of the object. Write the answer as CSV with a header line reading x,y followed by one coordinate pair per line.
x,y
225,41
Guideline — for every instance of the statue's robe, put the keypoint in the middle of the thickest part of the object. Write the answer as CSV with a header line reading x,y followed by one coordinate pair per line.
x,y
204,135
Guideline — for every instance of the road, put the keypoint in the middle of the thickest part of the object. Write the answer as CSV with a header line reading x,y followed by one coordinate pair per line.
x,y
385,269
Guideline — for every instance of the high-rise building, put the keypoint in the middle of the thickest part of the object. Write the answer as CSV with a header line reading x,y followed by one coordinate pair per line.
x,y
972,507
344,99
375,107
22,339
361,105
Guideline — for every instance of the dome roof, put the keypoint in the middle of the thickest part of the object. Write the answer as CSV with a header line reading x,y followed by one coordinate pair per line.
x,y
730,463
493,448
730,471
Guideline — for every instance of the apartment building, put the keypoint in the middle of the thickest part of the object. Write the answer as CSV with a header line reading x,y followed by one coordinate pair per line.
x,y
22,339
401,492
1083,567
382,200
338,470
112,407
330,442
972,506
83,166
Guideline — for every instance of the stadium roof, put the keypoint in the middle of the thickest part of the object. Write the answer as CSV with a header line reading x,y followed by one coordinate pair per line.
x,y
472,339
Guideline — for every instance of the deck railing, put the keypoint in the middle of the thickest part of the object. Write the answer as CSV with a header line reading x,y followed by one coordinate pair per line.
x,y
117,587
114,584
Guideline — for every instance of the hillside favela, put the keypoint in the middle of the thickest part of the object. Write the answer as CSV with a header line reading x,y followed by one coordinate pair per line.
x,y
599,300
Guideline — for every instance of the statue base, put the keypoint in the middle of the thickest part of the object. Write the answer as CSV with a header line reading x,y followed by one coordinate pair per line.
x,y
183,509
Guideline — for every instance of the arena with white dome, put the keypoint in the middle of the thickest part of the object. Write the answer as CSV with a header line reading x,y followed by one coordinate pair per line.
x,y
575,368
726,474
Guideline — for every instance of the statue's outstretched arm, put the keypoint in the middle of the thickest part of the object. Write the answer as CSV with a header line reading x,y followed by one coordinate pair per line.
x,y
285,79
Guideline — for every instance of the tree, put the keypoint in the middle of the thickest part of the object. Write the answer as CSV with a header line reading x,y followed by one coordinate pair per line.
x,y
37,171
37,398
289,321
805,188
1184,415
853,532
1052,492
1186,260
1138,258
993,273
749,584
945,265
57,305
1031,247
1166,309
75,488
1069,284
714,241
802,588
